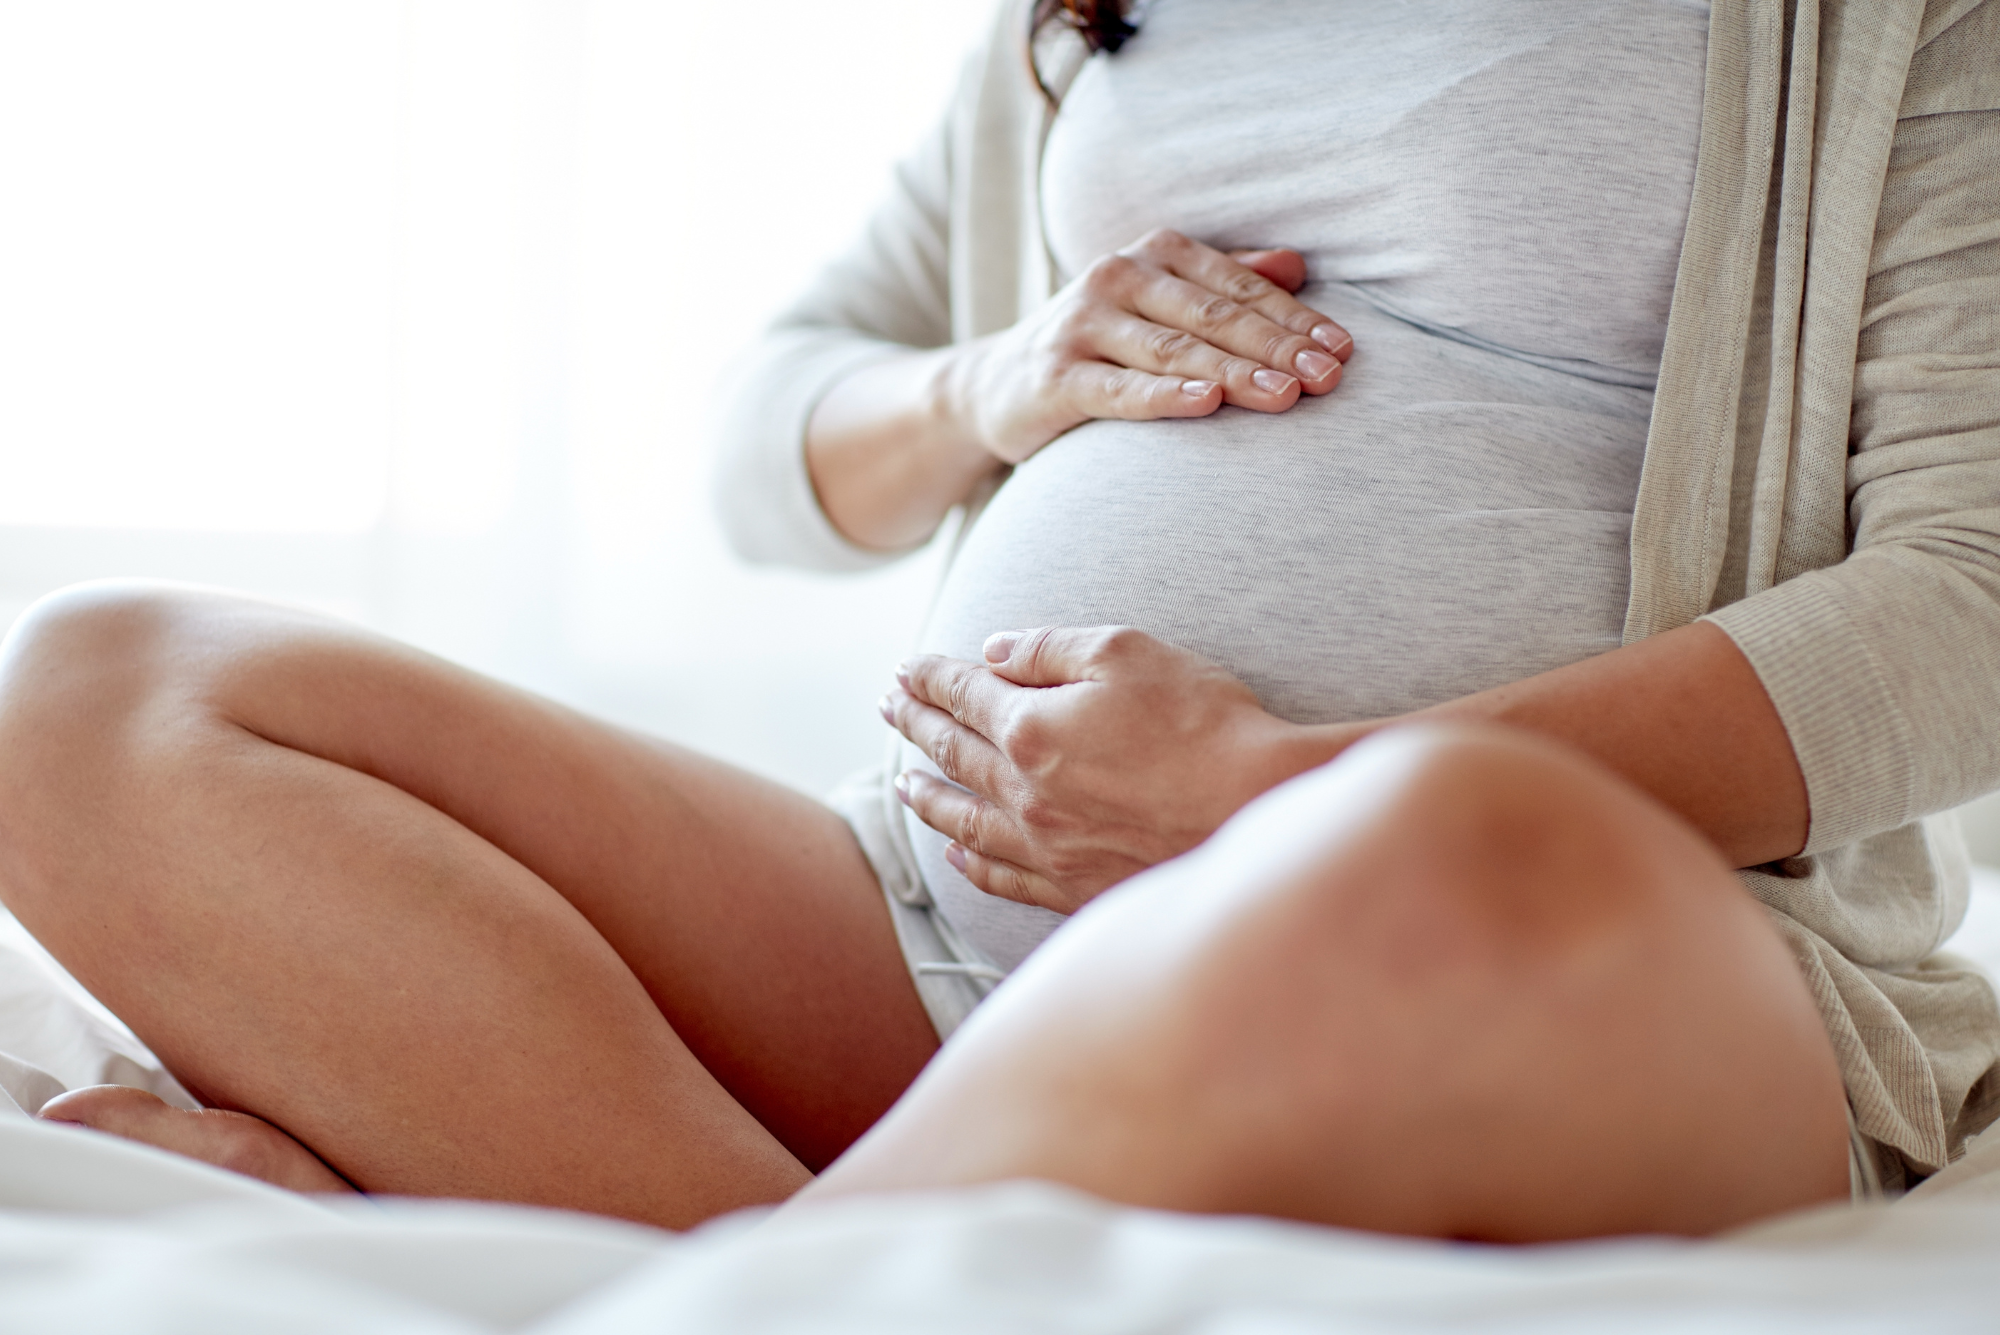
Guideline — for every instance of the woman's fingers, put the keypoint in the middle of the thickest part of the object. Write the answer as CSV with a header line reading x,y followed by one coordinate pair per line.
x,y
1167,327
1203,315
1239,330
1004,880
1247,381
1226,277
966,691
1099,389
1286,268
961,754
965,818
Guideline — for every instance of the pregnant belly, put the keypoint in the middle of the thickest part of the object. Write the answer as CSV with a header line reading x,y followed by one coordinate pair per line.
x,y
1346,561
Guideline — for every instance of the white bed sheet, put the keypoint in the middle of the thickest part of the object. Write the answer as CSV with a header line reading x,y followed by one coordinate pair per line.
x,y
1015,1258
100,1234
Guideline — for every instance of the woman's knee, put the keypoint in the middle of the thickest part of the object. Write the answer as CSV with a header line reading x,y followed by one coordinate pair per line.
x,y
1429,860
1499,946
1429,879
1502,797
1392,993
80,659
101,685
1458,892
76,673
1476,842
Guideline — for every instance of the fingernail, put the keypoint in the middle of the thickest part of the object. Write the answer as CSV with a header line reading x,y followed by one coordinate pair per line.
x,y
903,789
1271,382
1000,647
886,709
1315,365
903,675
954,853
1333,338
1197,389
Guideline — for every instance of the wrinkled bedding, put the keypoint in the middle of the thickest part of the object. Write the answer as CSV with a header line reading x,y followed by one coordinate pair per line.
x,y
1015,1258
100,1234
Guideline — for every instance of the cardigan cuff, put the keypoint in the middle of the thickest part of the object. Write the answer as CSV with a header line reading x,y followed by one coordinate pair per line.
x,y
763,492
1846,726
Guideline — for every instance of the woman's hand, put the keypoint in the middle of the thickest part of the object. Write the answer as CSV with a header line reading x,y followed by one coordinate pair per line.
x,y
1093,754
1082,757
1167,327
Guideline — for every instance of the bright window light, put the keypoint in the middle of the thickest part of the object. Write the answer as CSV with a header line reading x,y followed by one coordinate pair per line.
x,y
196,263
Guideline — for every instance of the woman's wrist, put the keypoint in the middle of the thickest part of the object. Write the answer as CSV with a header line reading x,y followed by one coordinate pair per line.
x,y
890,452
958,385
1280,750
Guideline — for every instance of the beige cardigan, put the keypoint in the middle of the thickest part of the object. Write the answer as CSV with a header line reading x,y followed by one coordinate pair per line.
x,y
1822,477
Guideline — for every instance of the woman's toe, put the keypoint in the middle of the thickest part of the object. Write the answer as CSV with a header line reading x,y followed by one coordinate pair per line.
x,y
118,1109
236,1141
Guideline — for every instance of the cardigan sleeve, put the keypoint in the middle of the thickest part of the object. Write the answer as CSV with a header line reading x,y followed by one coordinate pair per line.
x,y
1885,668
888,292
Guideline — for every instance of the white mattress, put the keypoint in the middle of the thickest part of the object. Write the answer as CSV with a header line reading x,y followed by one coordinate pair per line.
x,y
100,1234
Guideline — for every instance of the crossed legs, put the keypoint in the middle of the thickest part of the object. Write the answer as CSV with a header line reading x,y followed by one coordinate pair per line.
x,y
454,939
459,941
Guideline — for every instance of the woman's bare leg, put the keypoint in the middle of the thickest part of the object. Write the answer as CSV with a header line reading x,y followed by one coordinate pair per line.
x,y
1456,984
455,939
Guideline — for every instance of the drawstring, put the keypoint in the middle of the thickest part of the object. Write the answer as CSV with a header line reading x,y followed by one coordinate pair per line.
x,y
983,972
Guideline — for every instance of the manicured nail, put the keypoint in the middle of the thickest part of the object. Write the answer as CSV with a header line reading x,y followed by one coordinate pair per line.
x,y
1333,338
1315,365
1271,382
903,788
1000,647
903,675
954,853
1197,389
887,710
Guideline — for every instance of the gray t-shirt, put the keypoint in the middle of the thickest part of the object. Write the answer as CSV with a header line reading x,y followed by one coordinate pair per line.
x,y
1490,195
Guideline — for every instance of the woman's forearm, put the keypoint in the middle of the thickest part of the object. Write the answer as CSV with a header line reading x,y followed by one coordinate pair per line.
x,y
1682,715
887,455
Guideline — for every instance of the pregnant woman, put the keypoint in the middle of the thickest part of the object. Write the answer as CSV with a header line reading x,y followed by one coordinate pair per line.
x,y
1441,485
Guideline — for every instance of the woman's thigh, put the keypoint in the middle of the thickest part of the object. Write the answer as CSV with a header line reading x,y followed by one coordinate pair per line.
x,y
1457,984
230,818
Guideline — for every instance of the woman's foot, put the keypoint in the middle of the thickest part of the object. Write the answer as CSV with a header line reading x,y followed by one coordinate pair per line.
x,y
236,1141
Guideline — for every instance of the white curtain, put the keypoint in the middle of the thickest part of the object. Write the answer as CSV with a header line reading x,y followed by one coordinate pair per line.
x,y
412,310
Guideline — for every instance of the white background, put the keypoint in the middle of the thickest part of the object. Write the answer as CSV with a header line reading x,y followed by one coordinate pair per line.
x,y
413,309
